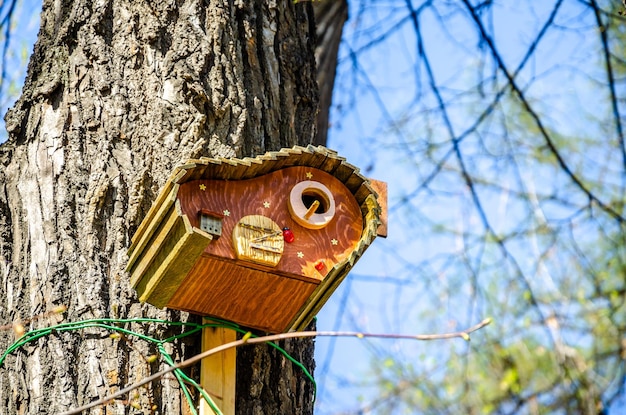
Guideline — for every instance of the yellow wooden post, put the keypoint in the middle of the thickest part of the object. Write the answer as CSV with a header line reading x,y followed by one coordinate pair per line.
x,y
217,372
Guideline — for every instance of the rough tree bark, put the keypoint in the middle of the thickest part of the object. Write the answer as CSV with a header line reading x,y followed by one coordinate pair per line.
x,y
118,92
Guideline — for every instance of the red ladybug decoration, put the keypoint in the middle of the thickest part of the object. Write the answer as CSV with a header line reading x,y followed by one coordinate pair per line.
x,y
288,235
319,266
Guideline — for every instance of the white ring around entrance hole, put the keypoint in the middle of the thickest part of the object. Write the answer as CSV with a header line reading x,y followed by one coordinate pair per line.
x,y
316,191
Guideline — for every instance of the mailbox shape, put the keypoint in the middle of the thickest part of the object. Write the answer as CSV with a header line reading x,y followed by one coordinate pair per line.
x,y
262,242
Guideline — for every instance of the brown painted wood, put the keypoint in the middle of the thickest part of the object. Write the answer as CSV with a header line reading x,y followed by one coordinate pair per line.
x,y
338,273
263,284
251,297
247,197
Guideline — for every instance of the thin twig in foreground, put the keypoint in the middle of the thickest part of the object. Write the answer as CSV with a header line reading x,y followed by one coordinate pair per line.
x,y
264,339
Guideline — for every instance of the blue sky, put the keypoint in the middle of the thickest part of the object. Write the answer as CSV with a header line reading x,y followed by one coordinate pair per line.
x,y
25,25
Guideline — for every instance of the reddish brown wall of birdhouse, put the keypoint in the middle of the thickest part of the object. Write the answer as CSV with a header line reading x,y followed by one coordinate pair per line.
x,y
247,296
240,198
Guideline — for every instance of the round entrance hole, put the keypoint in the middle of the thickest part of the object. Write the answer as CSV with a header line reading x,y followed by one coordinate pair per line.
x,y
311,204
312,195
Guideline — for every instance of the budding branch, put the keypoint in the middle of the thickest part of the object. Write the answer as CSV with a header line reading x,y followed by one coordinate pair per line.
x,y
246,339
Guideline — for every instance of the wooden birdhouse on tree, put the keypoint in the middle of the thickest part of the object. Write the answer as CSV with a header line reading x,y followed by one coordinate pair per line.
x,y
262,242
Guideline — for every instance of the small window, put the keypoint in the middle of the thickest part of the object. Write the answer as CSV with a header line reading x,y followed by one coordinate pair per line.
x,y
211,222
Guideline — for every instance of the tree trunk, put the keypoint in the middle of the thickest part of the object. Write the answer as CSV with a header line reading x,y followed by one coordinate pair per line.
x,y
118,92
330,17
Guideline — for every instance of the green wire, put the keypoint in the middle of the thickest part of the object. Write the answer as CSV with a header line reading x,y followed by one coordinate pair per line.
x,y
110,324
179,376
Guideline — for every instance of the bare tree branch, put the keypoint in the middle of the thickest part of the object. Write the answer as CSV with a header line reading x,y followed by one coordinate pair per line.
x,y
610,79
464,334
544,133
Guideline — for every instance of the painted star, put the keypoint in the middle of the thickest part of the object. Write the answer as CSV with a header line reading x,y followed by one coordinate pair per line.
x,y
300,254
334,241
309,175
203,187
226,212
266,204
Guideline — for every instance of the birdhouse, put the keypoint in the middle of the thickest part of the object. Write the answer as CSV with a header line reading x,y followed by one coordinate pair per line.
x,y
262,242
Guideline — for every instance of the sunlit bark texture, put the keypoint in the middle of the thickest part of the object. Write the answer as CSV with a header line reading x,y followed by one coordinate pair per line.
x,y
119,92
